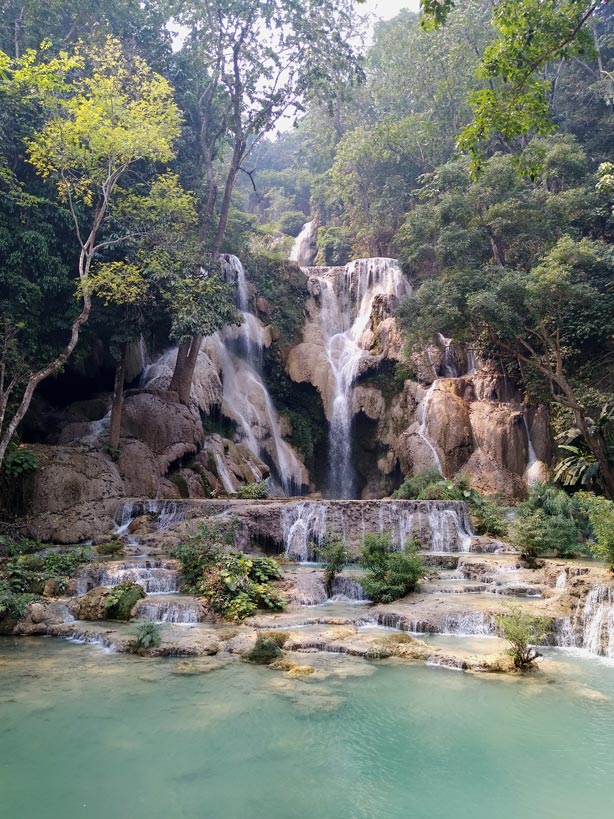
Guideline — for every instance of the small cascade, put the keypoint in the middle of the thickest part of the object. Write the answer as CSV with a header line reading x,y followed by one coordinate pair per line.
x,y
224,473
423,428
164,513
155,576
533,471
346,589
303,250
475,623
440,526
170,610
472,363
303,526
561,580
347,296
596,621
449,363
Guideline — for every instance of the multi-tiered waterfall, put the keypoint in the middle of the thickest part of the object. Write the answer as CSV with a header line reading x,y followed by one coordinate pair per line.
x,y
346,297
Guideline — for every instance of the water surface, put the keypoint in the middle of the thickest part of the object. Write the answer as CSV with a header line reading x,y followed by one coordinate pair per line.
x,y
85,733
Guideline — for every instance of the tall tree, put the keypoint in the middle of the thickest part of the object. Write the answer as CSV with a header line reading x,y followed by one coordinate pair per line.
x,y
103,113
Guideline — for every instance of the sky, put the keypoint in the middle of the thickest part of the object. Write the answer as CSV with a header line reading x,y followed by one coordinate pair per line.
x,y
389,8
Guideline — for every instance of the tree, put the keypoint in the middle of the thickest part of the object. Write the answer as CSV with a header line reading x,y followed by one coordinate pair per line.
x,y
523,631
104,113
515,98
601,516
334,554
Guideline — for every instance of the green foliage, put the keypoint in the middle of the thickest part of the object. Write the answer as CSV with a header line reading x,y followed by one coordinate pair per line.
x,y
113,547
291,222
523,631
200,549
284,287
19,462
334,554
389,574
411,488
334,246
28,573
121,600
253,491
601,516
265,651
235,585
148,635
13,604
549,522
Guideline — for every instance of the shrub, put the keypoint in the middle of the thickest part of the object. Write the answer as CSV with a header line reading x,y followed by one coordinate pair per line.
x,y
523,631
264,652
113,547
235,584
26,573
121,600
13,604
148,635
334,246
334,554
549,522
253,491
601,516
411,488
390,574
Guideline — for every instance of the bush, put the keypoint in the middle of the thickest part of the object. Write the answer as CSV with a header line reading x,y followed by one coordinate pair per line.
x,y
522,631
390,574
334,554
148,635
113,547
411,488
601,516
334,246
13,604
235,585
253,491
549,522
28,573
121,600
264,652
291,222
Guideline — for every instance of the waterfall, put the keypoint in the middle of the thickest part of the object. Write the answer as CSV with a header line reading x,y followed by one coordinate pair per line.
x,y
533,471
440,526
166,513
347,298
303,250
423,428
155,576
472,364
596,620
223,472
346,589
246,399
171,610
449,365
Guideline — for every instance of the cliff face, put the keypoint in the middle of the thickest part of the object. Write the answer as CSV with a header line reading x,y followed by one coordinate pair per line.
x,y
458,415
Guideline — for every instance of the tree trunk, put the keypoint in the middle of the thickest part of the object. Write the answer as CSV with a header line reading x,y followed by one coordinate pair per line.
x,y
118,400
237,156
187,356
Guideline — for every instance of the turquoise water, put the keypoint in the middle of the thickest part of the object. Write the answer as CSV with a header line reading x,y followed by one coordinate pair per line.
x,y
89,734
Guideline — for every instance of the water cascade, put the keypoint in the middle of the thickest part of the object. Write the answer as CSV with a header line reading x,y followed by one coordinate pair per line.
x,y
155,576
423,428
440,526
170,610
246,399
347,297
595,621
533,472
303,249
164,513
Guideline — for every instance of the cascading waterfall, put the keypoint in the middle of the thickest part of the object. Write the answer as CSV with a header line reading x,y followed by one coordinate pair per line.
x,y
596,621
423,428
165,512
533,472
155,576
303,250
347,297
440,526
246,399
170,610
